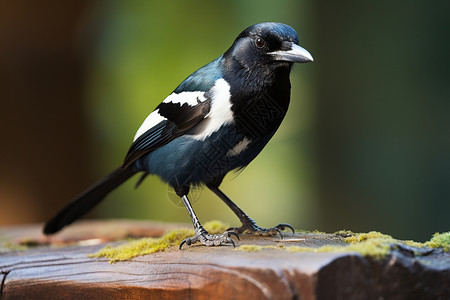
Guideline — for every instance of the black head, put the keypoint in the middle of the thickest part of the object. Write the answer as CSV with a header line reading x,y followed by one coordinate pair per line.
x,y
269,46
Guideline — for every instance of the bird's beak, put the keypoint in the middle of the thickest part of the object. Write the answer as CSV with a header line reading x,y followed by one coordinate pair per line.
x,y
295,54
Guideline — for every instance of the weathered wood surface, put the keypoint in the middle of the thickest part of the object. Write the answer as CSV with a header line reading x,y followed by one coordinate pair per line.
x,y
199,272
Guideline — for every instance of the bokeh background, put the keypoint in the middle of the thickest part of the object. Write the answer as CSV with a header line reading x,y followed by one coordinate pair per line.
x,y
365,144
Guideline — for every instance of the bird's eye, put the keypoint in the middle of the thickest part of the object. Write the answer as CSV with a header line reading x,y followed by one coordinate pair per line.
x,y
259,42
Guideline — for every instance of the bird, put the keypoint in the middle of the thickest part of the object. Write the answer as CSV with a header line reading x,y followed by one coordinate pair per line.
x,y
216,121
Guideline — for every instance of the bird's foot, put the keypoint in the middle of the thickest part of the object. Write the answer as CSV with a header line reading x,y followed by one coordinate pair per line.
x,y
202,236
249,226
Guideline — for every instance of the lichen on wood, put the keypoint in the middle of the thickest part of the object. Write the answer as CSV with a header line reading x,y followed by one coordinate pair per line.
x,y
372,244
143,246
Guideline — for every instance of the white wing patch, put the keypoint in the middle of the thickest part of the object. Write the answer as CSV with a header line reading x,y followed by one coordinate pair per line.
x,y
241,146
220,113
190,98
152,119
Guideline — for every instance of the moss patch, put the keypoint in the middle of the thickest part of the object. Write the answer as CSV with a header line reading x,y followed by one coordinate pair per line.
x,y
249,248
145,246
439,240
373,244
376,244
375,247
353,238
216,227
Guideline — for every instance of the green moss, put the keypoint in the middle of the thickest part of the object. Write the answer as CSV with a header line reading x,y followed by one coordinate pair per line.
x,y
9,246
412,243
215,227
379,245
439,240
376,247
248,248
373,244
360,237
145,246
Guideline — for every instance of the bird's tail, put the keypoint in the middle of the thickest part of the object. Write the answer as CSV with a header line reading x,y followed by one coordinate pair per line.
x,y
87,200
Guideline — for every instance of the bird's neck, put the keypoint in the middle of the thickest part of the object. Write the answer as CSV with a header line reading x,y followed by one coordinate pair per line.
x,y
259,100
256,84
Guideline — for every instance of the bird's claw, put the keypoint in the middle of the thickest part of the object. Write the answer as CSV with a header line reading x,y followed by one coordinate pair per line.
x,y
283,226
251,227
207,239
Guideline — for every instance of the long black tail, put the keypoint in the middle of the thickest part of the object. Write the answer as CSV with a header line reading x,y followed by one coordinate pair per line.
x,y
87,200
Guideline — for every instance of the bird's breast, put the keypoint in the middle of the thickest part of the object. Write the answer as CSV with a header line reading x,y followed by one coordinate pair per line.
x,y
260,117
186,160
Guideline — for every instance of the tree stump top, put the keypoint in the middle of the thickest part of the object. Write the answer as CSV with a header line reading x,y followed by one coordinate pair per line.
x,y
199,272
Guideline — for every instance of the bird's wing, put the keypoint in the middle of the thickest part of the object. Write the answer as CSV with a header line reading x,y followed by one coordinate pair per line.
x,y
177,114
189,104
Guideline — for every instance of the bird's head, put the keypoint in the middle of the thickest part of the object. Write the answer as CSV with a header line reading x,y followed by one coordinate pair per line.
x,y
268,45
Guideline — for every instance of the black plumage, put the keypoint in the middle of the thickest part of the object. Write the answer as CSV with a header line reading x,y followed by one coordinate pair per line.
x,y
215,121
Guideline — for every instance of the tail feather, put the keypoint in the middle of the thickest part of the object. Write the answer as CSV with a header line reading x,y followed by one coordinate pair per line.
x,y
87,200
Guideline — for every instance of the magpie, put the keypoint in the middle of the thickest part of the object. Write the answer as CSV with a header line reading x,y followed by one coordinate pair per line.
x,y
217,120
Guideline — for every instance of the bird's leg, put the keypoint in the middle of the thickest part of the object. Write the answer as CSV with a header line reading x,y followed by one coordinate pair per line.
x,y
248,225
201,235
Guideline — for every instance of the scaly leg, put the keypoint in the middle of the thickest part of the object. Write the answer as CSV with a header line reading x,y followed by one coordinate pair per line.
x,y
201,235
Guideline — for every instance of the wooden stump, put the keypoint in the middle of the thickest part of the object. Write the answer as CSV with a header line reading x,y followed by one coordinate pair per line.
x,y
198,272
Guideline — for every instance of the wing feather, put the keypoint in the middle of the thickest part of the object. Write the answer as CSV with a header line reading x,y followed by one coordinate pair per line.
x,y
177,119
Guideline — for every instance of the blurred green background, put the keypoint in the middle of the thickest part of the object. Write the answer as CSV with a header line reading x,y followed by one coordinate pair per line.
x,y
365,144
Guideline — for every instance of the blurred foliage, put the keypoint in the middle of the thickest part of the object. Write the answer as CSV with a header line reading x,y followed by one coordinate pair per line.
x,y
383,128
